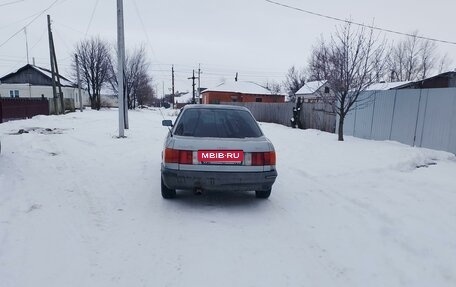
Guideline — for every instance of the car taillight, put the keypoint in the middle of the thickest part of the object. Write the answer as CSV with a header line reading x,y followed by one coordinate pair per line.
x,y
269,158
185,157
264,158
178,156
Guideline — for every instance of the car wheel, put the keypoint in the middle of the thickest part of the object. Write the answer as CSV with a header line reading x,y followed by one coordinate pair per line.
x,y
263,193
167,192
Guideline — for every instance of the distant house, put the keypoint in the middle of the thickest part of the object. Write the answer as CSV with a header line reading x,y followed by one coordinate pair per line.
x,y
240,91
443,80
32,82
182,99
384,86
314,91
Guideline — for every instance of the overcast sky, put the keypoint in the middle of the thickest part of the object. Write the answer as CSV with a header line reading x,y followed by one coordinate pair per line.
x,y
253,37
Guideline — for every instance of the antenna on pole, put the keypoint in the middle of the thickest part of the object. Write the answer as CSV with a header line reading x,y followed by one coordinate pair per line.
x,y
236,78
26,44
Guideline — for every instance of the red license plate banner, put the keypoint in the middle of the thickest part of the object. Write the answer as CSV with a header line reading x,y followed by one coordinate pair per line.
x,y
220,156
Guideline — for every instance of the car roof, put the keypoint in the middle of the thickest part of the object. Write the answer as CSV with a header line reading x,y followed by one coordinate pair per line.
x,y
215,107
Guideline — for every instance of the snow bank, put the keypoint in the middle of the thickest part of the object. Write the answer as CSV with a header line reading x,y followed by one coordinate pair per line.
x,y
79,207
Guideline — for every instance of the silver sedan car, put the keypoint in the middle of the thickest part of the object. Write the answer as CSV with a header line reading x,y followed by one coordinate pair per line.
x,y
217,147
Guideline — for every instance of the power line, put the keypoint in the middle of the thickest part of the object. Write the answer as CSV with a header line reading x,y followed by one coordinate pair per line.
x,y
144,29
29,23
12,2
91,18
19,21
360,24
68,27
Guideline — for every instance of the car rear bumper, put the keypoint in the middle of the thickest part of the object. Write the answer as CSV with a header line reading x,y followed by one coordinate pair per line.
x,y
223,181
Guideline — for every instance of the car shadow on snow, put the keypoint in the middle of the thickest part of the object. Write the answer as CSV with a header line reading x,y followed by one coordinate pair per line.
x,y
219,199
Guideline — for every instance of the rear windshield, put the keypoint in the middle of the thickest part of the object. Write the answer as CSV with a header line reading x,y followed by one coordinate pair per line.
x,y
218,123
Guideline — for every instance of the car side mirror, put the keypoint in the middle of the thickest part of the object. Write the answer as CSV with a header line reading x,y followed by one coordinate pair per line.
x,y
167,123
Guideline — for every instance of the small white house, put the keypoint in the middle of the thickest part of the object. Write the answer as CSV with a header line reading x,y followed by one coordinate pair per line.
x,y
314,91
34,82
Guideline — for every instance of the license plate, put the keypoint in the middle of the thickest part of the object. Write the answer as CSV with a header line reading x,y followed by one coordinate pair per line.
x,y
220,156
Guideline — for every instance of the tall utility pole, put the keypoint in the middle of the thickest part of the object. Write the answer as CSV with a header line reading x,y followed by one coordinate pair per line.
x,y
55,68
59,85
193,87
172,80
79,82
54,89
126,98
120,66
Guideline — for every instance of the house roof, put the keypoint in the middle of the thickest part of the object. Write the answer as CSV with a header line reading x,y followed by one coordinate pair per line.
x,y
48,74
185,98
387,86
240,87
310,87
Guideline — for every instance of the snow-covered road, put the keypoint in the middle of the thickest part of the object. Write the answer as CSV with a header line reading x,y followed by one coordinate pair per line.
x,y
79,207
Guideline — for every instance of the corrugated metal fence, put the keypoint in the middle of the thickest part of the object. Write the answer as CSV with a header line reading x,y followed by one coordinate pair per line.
x,y
423,118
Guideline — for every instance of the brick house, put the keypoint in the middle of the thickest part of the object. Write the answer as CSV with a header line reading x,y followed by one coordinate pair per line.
x,y
240,92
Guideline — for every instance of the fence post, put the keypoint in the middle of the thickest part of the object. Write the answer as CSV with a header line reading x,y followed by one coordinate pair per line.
x,y
417,116
392,117
424,118
373,114
354,122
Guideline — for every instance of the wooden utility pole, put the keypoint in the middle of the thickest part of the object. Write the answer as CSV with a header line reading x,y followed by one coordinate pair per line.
x,y
199,83
62,104
172,81
79,83
54,89
193,78
120,66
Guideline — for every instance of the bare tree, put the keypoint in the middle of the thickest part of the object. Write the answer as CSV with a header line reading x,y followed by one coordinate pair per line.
x,y
295,79
412,59
317,64
352,61
146,95
444,64
94,57
136,77
274,87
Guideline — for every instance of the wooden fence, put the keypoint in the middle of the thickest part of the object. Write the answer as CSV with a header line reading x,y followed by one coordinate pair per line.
x,y
279,113
318,116
313,115
22,108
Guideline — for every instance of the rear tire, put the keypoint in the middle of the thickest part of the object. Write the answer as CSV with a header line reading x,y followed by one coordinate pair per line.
x,y
263,193
167,193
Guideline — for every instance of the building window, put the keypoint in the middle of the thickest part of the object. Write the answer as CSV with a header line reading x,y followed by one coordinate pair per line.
x,y
258,100
326,90
14,94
